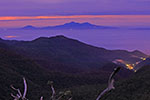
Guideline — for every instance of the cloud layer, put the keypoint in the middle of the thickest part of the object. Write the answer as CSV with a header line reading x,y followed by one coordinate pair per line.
x,y
67,7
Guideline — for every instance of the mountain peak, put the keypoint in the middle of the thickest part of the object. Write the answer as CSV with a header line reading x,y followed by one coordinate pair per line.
x,y
29,27
136,51
59,36
72,23
48,38
139,53
40,38
76,23
87,23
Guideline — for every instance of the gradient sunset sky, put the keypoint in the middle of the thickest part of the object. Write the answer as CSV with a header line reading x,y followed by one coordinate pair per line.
x,y
54,12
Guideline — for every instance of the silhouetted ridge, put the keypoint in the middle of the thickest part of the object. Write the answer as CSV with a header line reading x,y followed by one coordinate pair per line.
x,y
29,27
40,39
59,37
73,50
137,52
56,38
75,23
86,23
72,25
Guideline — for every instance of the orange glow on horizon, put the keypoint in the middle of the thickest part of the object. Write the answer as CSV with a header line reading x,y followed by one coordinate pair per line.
x,y
10,36
5,18
105,20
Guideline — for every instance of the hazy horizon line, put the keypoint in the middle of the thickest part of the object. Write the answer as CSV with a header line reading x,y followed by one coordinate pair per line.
x,y
104,20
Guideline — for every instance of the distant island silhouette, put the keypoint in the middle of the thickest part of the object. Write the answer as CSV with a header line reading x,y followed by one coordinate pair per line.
x,y
70,25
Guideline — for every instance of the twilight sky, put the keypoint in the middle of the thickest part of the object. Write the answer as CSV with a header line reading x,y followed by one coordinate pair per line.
x,y
43,12
67,7
120,13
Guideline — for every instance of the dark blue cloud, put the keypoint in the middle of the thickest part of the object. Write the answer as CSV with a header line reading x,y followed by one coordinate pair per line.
x,y
71,7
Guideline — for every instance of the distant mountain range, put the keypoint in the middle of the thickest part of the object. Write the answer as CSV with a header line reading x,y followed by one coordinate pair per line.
x,y
71,25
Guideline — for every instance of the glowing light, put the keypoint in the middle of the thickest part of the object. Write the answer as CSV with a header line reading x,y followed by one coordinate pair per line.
x,y
143,58
135,70
129,66
119,61
137,62
10,36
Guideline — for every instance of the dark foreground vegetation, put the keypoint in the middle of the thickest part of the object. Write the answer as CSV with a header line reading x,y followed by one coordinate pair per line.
x,y
71,65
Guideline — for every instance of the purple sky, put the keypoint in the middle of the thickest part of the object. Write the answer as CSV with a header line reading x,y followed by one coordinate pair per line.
x,y
124,13
36,8
72,7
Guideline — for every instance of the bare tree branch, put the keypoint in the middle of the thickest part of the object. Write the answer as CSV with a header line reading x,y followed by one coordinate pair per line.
x,y
19,94
41,98
70,98
25,88
110,83
53,91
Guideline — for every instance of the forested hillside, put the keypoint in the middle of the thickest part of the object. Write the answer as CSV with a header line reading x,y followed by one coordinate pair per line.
x,y
70,64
